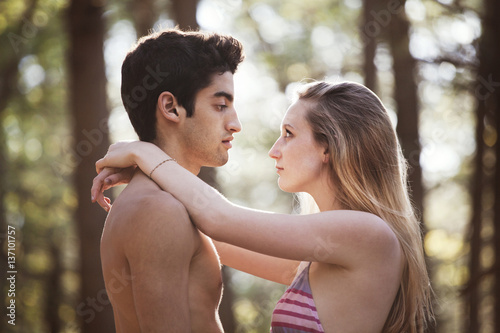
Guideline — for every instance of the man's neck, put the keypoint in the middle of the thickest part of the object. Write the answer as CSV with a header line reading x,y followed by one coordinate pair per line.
x,y
175,151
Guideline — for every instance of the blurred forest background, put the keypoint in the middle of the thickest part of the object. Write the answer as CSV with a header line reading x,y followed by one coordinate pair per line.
x,y
434,63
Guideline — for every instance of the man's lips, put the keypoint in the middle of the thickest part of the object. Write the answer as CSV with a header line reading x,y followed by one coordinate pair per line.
x,y
227,142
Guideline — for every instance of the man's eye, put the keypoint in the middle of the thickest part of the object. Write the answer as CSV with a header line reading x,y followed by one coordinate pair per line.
x,y
221,107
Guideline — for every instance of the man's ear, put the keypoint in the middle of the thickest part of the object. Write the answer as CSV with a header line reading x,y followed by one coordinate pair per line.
x,y
167,106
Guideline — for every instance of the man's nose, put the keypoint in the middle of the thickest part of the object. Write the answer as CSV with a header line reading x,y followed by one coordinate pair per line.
x,y
233,125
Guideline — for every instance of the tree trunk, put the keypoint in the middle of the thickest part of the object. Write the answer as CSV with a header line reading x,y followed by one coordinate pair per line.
x,y
54,297
90,113
488,93
407,103
497,194
185,14
11,56
405,95
143,15
369,39
472,290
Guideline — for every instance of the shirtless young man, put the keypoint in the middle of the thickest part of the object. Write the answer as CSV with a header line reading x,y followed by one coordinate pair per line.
x,y
178,90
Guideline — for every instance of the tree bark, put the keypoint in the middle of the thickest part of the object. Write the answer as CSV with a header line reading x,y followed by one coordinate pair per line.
x,y
407,103
497,197
88,106
13,55
405,95
369,40
54,287
488,93
185,14
472,290
143,15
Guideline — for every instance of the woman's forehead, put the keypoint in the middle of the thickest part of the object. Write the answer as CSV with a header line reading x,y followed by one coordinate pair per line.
x,y
295,113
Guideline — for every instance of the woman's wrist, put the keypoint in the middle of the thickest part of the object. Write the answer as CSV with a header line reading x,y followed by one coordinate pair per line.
x,y
136,153
147,155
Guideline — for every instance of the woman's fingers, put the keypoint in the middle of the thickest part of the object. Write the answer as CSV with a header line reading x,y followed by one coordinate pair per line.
x,y
120,177
98,182
100,165
106,179
119,155
115,168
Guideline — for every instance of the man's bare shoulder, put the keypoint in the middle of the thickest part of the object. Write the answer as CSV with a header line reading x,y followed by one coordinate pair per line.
x,y
143,200
144,215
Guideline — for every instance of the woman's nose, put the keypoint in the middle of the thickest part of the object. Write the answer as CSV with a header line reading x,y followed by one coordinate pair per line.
x,y
274,152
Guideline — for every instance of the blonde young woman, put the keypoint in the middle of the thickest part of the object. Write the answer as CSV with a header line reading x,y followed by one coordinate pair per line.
x,y
358,264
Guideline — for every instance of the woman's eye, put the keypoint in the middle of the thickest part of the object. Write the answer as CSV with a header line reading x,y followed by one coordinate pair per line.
x,y
288,134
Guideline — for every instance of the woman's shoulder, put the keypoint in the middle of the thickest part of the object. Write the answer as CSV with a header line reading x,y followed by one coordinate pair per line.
x,y
364,237
367,225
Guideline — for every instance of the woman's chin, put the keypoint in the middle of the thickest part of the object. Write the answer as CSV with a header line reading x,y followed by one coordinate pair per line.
x,y
285,187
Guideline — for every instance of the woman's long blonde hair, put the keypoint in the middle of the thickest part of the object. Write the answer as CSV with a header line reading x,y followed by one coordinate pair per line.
x,y
369,172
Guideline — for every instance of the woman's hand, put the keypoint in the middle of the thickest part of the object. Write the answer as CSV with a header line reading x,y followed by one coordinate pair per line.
x,y
108,178
125,154
118,165
120,155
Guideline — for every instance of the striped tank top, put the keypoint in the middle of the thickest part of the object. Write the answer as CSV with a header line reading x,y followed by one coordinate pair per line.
x,y
296,311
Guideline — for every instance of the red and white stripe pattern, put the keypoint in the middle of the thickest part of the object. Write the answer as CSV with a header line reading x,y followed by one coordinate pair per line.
x,y
296,311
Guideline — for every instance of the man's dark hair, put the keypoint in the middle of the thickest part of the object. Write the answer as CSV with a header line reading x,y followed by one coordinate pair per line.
x,y
180,62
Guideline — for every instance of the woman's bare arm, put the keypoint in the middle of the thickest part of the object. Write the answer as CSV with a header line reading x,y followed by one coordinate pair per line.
x,y
344,238
270,268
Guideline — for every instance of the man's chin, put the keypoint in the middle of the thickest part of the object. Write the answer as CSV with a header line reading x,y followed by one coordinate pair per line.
x,y
218,162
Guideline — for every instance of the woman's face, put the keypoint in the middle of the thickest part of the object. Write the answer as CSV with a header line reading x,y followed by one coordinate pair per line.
x,y
300,160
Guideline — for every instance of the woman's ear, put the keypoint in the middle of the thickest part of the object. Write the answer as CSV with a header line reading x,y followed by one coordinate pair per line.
x,y
326,156
167,106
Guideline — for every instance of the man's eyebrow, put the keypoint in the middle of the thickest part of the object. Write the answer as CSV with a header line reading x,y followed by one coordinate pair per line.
x,y
224,94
